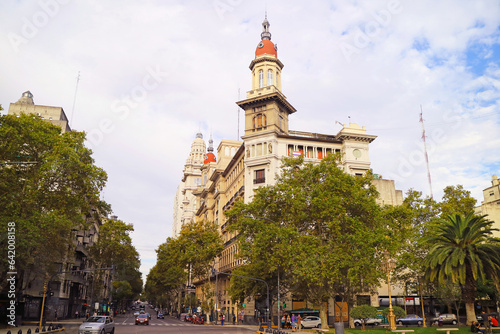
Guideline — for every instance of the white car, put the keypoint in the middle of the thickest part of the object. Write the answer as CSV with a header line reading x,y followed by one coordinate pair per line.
x,y
368,321
100,324
311,322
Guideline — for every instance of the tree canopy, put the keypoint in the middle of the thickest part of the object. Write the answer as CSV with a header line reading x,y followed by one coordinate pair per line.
x,y
48,183
320,227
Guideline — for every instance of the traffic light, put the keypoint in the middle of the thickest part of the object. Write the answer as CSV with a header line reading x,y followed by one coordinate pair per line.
x,y
284,305
243,305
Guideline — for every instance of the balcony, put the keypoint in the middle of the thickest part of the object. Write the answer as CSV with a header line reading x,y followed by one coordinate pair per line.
x,y
259,180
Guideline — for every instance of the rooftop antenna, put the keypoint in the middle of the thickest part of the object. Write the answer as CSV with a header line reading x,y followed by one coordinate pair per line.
x,y
425,150
74,99
238,138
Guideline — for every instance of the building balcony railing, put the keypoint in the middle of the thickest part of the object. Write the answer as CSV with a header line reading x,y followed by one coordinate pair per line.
x,y
259,180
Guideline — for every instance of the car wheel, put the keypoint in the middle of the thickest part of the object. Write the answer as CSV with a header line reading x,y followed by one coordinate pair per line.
x,y
376,323
400,323
113,331
357,324
419,323
319,326
454,322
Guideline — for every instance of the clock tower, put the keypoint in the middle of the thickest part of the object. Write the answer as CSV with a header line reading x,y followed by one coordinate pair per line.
x,y
266,108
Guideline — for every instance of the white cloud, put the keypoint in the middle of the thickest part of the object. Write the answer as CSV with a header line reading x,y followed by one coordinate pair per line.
x,y
441,55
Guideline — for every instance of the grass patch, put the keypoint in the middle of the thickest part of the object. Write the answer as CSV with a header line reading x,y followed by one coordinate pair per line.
x,y
382,330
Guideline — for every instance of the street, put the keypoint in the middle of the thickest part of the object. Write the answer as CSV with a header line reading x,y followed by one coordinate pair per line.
x,y
125,324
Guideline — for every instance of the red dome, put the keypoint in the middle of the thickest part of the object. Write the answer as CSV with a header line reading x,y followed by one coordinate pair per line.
x,y
266,47
210,157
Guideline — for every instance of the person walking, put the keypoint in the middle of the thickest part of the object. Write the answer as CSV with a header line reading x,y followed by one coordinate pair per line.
x,y
294,323
486,322
299,323
55,314
76,314
288,322
222,319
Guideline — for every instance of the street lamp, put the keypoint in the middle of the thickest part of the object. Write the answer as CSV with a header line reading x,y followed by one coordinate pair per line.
x,y
389,266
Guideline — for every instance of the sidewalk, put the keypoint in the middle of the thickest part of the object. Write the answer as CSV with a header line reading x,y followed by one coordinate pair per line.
x,y
66,323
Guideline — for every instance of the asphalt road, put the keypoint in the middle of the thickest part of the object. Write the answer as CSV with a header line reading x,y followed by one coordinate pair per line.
x,y
125,324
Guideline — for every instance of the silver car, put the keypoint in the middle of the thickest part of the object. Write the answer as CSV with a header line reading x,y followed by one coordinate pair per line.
x,y
100,324
311,322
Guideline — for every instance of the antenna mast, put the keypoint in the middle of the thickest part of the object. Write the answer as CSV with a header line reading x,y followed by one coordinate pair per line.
x,y
238,138
74,98
425,151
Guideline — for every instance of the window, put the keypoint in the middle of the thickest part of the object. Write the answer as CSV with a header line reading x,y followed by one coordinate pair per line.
x,y
260,176
261,79
259,121
269,77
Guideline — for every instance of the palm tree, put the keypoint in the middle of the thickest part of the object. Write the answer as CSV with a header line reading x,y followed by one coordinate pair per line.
x,y
463,251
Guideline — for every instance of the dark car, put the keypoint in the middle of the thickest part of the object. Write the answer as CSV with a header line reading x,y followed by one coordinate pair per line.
x,y
142,319
410,319
160,315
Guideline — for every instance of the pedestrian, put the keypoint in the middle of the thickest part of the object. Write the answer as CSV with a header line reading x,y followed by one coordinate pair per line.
x,y
240,318
76,314
234,319
283,321
486,322
474,328
288,322
299,322
222,319
294,323
440,321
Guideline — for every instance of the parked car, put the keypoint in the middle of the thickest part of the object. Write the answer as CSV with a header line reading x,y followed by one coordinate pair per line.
x,y
410,319
142,319
160,315
447,318
368,321
98,324
311,322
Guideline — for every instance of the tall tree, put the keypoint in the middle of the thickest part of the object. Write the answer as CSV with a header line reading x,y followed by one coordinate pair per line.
x,y
114,248
48,181
463,251
456,200
322,224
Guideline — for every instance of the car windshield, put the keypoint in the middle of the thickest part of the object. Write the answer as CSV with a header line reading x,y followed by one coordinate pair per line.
x,y
143,316
96,319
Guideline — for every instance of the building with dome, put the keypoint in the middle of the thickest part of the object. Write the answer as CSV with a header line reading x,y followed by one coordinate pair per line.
x,y
55,115
242,167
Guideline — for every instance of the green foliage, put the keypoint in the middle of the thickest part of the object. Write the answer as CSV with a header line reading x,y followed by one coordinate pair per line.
x,y
398,312
456,200
195,248
362,312
48,182
319,227
114,248
463,250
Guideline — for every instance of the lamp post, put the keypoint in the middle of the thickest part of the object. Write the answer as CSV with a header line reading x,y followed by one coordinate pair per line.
x,y
389,266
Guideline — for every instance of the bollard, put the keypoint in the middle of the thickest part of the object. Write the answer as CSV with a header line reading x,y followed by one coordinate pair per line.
x,y
20,331
37,330
8,332
43,329
29,331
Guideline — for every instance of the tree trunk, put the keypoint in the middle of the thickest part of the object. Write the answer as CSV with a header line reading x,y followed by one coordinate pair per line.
x,y
471,314
323,316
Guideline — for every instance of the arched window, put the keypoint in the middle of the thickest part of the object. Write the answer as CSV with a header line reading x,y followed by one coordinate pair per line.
x,y
270,77
261,79
259,121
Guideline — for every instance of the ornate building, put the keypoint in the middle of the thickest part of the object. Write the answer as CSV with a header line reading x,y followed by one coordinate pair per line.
x,y
242,167
491,204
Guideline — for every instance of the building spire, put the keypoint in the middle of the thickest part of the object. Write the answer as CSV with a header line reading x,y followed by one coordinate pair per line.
x,y
265,29
210,144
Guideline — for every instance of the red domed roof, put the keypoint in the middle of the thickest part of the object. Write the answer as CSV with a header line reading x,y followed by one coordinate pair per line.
x,y
266,47
210,157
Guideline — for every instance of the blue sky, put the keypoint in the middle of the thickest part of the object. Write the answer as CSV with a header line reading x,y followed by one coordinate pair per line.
x,y
154,73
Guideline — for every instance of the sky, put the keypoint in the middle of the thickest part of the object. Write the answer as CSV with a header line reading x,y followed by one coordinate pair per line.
x,y
143,77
